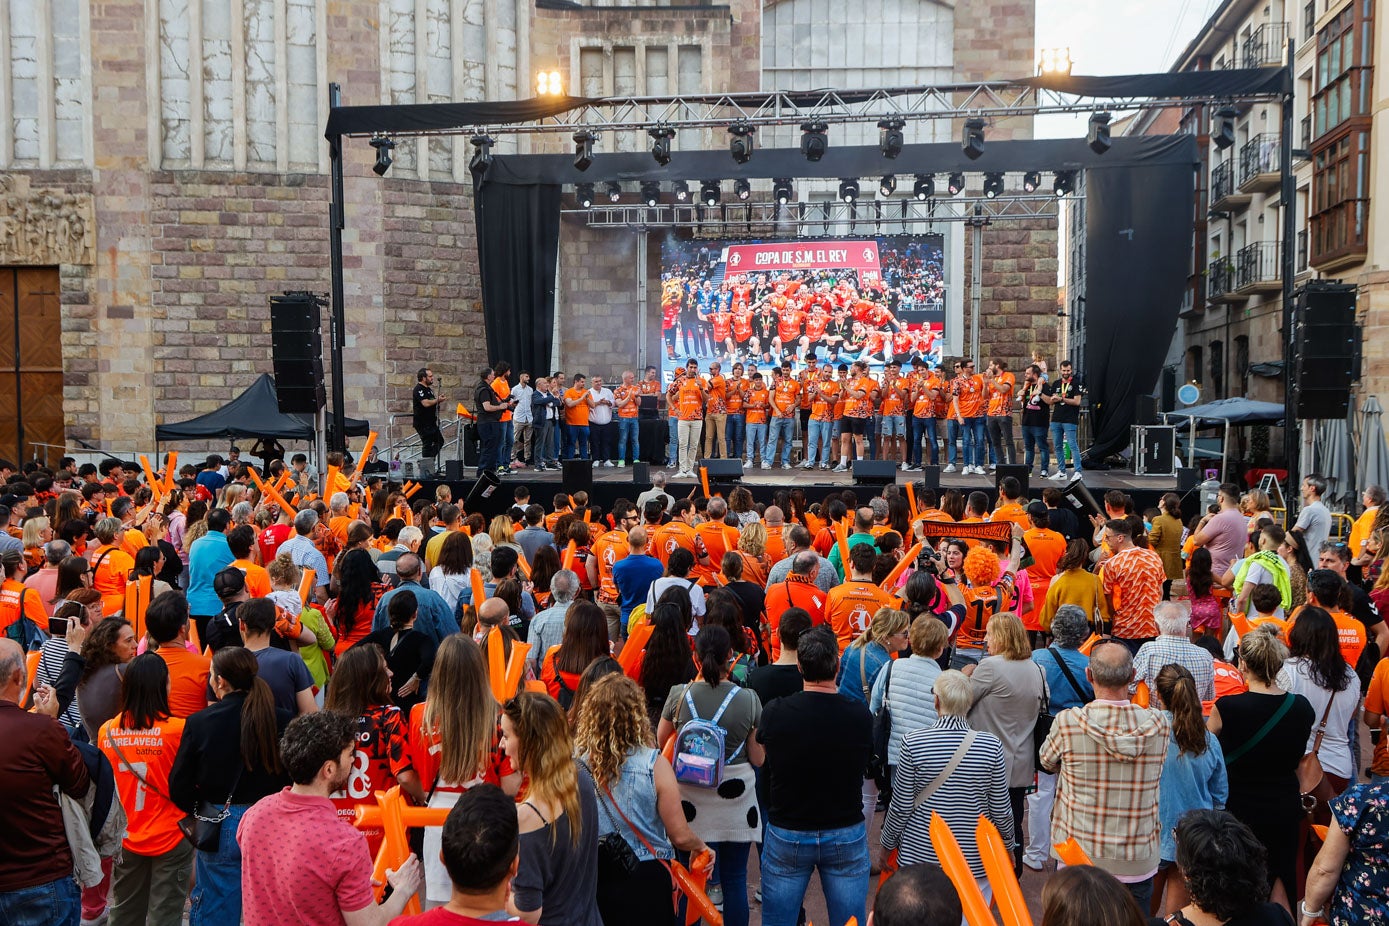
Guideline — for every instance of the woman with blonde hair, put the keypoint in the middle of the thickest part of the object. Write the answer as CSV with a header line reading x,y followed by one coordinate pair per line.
x,y
638,799
35,535
556,880
454,744
752,547
232,495
499,529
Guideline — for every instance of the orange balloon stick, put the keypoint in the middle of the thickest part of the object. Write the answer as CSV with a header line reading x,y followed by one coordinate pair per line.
x,y
523,564
952,861
496,665
632,649
479,590
567,561
306,585
998,865
901,567
911,500
267,492
155,485
1071,853
704,480
170,474
516,667
366,452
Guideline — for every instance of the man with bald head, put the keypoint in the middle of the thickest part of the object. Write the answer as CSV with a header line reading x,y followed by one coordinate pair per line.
x,y
495,613
1109,756
36,864
799,590
863,533
634,573
433,616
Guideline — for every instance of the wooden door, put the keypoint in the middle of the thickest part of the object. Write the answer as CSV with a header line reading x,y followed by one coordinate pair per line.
x,y
31,365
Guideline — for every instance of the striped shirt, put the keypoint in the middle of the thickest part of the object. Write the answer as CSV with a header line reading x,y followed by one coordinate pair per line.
x,y
54,653
978,787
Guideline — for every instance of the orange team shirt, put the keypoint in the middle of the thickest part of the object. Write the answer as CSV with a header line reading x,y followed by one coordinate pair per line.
x,y
784,398
776,546
971,396
788,326
1349,631
807,378
856,407
758,399
609,548
11,593
381,755
133,540
151,818
793,593
923,406
722,323
576,416
257,579
672,535
1001,403
338,527
742,325
892,399
826,394
981,604
937,382
1014,512
718,390
503,392
626,399
1046,547
691,400
187,679
650,387
1377,702
850,607
112,567
1133,579
554,516
718,538
733,402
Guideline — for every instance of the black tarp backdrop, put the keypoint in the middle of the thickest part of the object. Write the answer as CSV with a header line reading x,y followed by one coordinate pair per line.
x,y
518,251
254,413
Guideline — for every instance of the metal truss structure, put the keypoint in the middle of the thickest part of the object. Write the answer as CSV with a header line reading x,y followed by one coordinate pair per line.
x,y
820,218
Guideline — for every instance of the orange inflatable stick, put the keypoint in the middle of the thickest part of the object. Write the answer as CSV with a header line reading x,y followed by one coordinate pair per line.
x,y
155,485
1070,853
524,565
998,865
516,667
330,482
170,474
366,452
704,480
691,882
952,861
567,561
632,649
267,492
479,589
911,501
137,602
1089,644
901,567
496,664
306,585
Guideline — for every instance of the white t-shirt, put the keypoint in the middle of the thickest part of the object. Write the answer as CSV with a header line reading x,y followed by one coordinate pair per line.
x,y
1335,744
601,414
1315,521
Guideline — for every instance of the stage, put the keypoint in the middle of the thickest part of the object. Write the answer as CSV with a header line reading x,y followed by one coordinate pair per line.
x,y
610,484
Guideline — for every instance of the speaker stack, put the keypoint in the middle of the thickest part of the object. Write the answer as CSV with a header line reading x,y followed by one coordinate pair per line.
x,y
1326,349
296,342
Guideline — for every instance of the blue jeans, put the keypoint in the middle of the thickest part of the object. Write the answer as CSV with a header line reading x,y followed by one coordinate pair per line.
x,y
731,864
217,893
1034,437
757,441
1066,432
673,441
924,427
976,441
784,428
57,903
734,432
628,440
952,434
818,439
790,856
576,442
508,439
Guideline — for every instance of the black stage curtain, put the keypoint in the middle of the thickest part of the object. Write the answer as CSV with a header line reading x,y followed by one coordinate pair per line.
x,y
410,118
1138,255
518,246
1233,83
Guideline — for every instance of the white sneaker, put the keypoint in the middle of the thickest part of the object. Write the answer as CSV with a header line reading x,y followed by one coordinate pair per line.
x,y
1042,475
824,466
764,465
949,468
842,468
1059,474
747,464
808,464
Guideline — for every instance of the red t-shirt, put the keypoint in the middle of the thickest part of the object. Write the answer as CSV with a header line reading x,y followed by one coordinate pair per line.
x,y
382,754
269,541
329,869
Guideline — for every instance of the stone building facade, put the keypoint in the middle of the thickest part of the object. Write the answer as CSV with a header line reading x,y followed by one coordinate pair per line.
x,y
163,173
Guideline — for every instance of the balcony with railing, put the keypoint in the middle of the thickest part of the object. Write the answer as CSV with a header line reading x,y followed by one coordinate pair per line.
x,y
1225,192
1257,270
1220,282
1266,47
1259,163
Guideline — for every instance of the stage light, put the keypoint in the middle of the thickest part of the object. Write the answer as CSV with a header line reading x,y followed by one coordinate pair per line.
x,y
956,186
1224,134
1054,61
993,184
482,154
650,192
848,189
1065,182
972,138
583,192
614,191
781,191
383,148
1098,136
681,190
890,137
925,187
548,83
742,189
583,149
660,144
887,185
709,193
814,140
740,145
1031,181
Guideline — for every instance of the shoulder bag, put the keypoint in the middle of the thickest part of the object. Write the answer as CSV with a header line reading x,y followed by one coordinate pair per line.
x,y
934,784
882,735
203,831
1238,752
617,860
1311,779
1042,728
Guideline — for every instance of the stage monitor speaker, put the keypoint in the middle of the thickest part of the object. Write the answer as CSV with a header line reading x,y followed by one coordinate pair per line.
x,y
930,477
296,345
1018,472
1188,478
723,470
641,474
578,476
1145,409
481,491
455,470
874,472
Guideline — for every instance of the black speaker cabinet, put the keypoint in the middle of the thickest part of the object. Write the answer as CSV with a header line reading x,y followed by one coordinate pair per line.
x,y
1326,349
296,345
723,470
641,474
874,472
1017,471
1188,478
930,477
578,476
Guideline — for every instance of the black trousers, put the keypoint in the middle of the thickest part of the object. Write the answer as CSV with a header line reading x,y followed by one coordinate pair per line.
x,y
432,439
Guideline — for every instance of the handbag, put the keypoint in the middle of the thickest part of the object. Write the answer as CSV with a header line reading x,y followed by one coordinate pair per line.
x,y
1311,778
617,860
1041,729
882,735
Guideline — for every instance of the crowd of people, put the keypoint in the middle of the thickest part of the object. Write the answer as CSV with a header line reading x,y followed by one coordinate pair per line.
x,y
203,669
913,413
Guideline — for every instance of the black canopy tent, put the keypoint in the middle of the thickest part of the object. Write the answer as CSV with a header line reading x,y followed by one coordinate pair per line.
x,y
254,413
